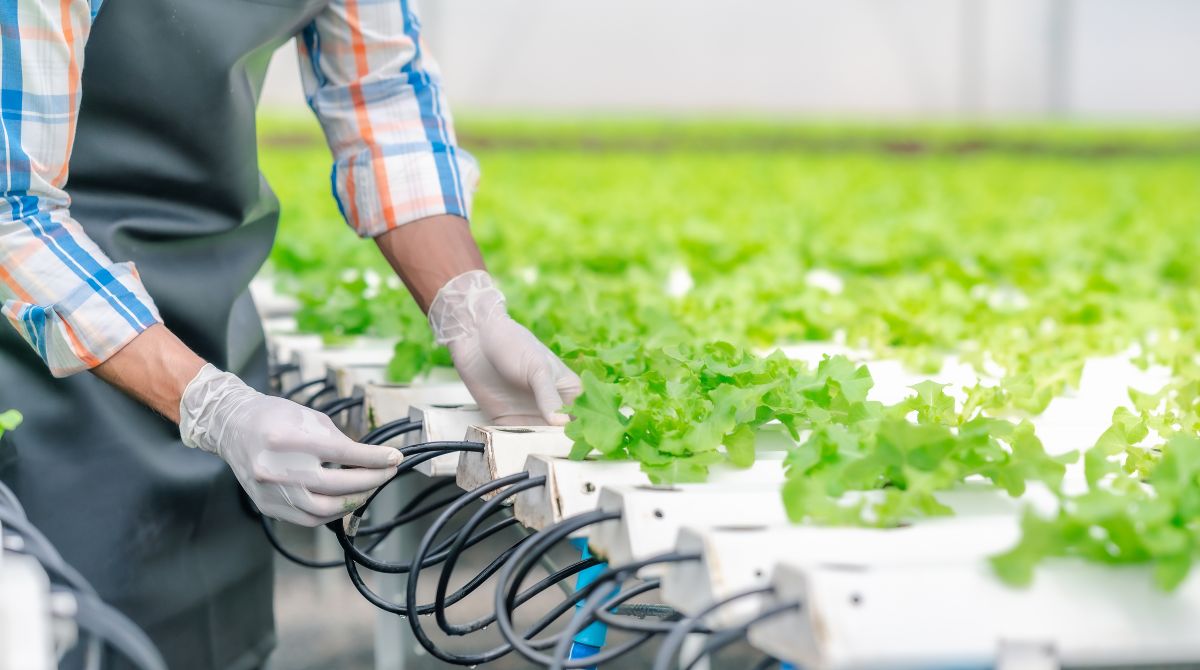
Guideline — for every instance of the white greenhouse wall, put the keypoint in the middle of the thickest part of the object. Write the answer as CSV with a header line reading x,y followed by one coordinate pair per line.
x,y
1103,59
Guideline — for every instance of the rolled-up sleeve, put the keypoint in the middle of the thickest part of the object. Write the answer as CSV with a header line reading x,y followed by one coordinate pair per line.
x,y
70,302
379,98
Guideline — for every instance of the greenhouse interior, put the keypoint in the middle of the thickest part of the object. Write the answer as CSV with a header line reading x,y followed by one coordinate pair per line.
x,y
507,334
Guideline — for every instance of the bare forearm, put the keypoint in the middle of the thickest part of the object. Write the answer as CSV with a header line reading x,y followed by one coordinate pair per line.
x,y
154,369
428,253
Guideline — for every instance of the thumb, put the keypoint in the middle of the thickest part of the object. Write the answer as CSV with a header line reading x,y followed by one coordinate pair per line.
x,y
545,394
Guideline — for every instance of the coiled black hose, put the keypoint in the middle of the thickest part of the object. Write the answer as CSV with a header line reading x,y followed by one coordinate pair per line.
x,y
359,558
515,571
674,640
766,662
627,623
277,371
514,483
390,430
325,390
597,600
340,405
413,510
455,552
414,456
724,638
291,393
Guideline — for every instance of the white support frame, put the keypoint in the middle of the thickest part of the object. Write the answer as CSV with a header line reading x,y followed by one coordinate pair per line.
x,y
27,625
505,450
651,516
573,487
445,422
956,613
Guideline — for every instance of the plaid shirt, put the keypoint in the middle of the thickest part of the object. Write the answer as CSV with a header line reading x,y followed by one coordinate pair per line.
x,y
368,79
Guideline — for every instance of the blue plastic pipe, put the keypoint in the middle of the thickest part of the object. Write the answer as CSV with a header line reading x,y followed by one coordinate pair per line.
x,y
590,640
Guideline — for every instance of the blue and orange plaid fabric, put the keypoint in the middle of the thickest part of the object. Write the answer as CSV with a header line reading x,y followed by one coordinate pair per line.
x,y
367,77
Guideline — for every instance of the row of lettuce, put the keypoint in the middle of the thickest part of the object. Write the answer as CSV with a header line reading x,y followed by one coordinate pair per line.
x,y
658,273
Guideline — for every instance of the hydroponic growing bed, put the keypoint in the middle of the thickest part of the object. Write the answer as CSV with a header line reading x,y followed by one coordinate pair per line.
x,y
831,329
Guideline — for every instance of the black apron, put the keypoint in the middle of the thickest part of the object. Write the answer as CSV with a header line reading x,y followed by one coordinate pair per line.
x,y
164,173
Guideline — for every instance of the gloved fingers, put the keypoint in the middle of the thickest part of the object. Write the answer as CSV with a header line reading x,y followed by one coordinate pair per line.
x,y
294,516
279,502
545,394
341,482
568,384
327,508
344,451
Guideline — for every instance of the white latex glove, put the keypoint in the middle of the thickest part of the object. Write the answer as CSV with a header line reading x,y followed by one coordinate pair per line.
x,y
278,450
515,379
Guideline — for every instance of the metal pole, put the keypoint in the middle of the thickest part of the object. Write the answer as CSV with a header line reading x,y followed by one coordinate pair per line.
x,y
393,637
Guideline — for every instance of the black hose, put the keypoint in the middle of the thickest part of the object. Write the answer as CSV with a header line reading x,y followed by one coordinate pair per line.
x,y
394,608
598,599
420,560
322,392
675,639
390,430
518,568
277,371
340,405
292,556
415,455
724,638
441,601
290,394
456,549
411,510
359,557
514,483
614,620
302,561
541,541
596,602
765,663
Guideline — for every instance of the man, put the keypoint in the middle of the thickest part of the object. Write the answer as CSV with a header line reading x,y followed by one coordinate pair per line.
x,y
138,272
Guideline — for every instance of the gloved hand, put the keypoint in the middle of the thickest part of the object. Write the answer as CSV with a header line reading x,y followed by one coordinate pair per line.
x,y
515,379
277,450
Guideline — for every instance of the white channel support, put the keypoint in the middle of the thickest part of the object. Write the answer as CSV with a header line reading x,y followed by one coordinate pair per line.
x,y
959,614
573,487
27,629
446,422
314,363
651,516
385,403
740,557
505,451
